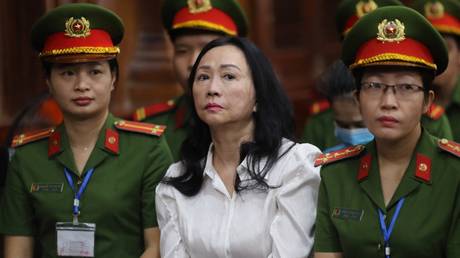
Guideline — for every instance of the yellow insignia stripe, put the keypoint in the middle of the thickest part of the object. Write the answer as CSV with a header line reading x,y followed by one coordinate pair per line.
x,y
148,128
392,57
447,29
24,138
140,114
204,24
81,50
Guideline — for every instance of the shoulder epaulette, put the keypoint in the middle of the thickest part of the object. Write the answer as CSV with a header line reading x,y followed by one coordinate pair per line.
x,y
435,112
22,139
319,106
449,146
155,109
139,127
334,156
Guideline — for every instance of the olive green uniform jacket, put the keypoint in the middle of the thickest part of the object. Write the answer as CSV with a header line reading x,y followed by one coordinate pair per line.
x,y
428,225
453,112
119,197
319,130
174,115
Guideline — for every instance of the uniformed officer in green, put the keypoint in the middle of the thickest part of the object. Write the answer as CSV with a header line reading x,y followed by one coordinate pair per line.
x,y
397,196
85,188
332,126
191,24
444,15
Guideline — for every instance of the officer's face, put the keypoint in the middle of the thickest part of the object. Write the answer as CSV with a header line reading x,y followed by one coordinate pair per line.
x,y
390,114
449,77
223,89
186,50
82,90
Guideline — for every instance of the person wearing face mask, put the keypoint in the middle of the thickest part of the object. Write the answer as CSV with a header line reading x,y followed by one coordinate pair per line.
x,y
86,187
320,129
190,24
345,125
397,196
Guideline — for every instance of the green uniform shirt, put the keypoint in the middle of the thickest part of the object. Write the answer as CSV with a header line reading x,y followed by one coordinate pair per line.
x,y
428,225
319,130
453,112
119,197
176,121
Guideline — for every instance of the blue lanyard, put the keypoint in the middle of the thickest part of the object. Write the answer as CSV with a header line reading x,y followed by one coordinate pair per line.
x,y
77,194
387,232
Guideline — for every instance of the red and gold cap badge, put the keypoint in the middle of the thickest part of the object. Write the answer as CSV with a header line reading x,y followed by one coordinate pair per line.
x,y
391,31
79,27
199,6
365,7
434,10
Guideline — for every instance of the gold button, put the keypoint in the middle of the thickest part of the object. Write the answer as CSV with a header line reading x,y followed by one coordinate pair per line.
x,y
444,141
423,167
112,140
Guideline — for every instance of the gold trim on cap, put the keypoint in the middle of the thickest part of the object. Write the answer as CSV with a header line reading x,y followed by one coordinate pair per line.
x,y
392,57
206,25
80,50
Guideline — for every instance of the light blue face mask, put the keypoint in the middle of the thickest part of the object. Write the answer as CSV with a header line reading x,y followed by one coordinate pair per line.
x,y
353,136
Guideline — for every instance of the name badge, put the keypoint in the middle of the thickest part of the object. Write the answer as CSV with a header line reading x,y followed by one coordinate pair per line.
x,y
50,188
75,239
347,214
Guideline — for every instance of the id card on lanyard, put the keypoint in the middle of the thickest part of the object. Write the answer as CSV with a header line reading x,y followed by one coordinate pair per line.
x,y
75,238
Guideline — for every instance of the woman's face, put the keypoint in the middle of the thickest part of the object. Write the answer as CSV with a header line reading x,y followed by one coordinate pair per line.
x,y
223,89
391,113
82,90
186,50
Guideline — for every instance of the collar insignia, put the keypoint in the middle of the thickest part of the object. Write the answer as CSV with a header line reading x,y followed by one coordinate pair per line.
x,y
76,28
365,7
199,6
434,10
391,31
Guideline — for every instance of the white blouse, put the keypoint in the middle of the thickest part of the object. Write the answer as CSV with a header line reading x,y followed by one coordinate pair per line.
x,y
253,223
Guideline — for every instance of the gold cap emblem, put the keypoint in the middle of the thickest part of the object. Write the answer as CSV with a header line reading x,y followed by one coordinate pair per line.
x,y
77,28
434,10
199,6
391,31
365,7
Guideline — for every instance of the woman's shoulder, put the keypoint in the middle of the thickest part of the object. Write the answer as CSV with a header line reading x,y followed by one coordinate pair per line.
x,y
291,148
296,159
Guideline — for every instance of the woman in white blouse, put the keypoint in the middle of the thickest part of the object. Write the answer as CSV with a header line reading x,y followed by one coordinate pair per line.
x,y
242,187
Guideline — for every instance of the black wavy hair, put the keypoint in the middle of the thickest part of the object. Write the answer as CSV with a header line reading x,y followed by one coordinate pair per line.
x,y
336,81
273,121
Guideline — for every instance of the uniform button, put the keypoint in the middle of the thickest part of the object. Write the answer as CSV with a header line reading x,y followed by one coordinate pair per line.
x,y
379,246
79,182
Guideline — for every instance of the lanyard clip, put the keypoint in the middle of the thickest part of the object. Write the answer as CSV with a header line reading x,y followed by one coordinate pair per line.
x,y
387,249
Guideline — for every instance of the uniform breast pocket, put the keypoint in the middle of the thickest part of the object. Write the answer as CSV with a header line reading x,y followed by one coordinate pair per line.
x,y
50,198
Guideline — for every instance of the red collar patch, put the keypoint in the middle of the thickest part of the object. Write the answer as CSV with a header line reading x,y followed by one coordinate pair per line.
x,y
54,144
364,167
111,141
423,168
